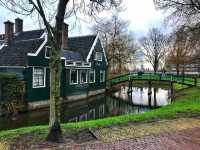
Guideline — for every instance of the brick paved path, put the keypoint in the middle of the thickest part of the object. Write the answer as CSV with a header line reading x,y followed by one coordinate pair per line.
x,y
188,139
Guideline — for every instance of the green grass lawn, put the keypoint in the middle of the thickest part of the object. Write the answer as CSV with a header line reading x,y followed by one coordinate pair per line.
x,y
186,104
179,86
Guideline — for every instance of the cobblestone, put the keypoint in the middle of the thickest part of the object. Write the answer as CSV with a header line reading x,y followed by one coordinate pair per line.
x,y
188,139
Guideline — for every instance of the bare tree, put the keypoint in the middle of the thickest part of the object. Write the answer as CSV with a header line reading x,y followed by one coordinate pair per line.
x,y
181,11
187,13
181,51
56,11
154,47
118,42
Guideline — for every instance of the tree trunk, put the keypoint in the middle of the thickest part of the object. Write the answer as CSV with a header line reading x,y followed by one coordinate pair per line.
x,y
177,69
55,133
155,68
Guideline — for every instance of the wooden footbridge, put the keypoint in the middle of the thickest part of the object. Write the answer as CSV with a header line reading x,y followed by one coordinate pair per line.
x,y
185,80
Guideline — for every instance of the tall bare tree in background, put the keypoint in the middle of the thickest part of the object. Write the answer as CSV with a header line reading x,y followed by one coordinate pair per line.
x,y
56,11
181,11
181,50
154,46
187,13
118,42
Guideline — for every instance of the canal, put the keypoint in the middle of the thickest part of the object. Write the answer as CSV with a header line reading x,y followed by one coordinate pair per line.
x,y
139,100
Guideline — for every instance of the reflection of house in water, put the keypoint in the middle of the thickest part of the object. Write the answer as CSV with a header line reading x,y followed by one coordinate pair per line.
x,y
118,106
88,111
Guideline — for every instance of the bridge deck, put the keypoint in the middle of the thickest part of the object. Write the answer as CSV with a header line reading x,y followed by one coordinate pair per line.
x,y
190,81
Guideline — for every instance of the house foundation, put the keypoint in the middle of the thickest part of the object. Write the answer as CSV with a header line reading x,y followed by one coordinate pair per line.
x,y
45,103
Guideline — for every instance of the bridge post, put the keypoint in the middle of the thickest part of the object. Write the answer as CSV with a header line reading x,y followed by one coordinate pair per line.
x,y
154,97
149,93
195,81
183,80
130,85
172,89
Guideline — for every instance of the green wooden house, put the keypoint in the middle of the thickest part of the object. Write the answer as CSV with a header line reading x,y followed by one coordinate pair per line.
x,y
27,54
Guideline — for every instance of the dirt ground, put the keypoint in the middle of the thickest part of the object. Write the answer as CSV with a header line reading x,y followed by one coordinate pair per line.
x,y
177,134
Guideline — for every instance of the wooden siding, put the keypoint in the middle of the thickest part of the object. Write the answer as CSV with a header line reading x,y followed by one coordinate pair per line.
x,y
36,94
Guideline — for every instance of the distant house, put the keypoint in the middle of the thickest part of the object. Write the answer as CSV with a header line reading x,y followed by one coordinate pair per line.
x,y
27,54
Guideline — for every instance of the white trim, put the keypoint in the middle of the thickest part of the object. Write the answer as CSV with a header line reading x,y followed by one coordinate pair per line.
x,y
92,48
78,68
74,64
104,52
2,46
44,78
45,55
94,76
43,35
12,67
70,77
40,48
86,76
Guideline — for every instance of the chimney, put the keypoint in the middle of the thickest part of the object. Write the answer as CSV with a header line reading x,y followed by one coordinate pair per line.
x,y
64,36
18,25
8,32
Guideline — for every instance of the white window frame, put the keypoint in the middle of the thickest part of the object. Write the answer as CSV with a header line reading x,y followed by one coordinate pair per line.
x,y
86,76
93,113
70,77
46,47
98,58
72,64
93,74
44,80
102,71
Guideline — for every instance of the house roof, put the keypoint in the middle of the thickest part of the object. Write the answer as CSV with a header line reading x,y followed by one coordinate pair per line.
x,y
70,55
81,44
16,53
26,35
30,41
34,34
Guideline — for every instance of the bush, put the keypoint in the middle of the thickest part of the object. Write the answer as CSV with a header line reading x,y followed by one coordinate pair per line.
x,y
12,88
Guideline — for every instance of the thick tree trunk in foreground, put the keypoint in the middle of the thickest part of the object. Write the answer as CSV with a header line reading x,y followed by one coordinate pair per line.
x,y
54,118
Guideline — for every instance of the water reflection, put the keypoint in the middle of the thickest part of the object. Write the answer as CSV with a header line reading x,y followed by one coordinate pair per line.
x,y
137,101
144,96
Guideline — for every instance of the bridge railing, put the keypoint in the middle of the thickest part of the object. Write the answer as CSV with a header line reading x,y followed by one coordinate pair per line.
x,y
152,76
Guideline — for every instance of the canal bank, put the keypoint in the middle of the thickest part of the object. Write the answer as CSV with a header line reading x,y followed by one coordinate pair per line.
x,y
96,107
187,104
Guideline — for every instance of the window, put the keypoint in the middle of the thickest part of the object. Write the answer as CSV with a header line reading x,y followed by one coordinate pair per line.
x,y
47,52
87,64
92,76
91,114
73,76
83,117
78,63
69,63
102,75
101,111
39,77
83,76
98,56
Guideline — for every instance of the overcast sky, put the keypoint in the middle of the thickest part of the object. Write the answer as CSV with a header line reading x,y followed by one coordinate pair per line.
x,y
140,13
